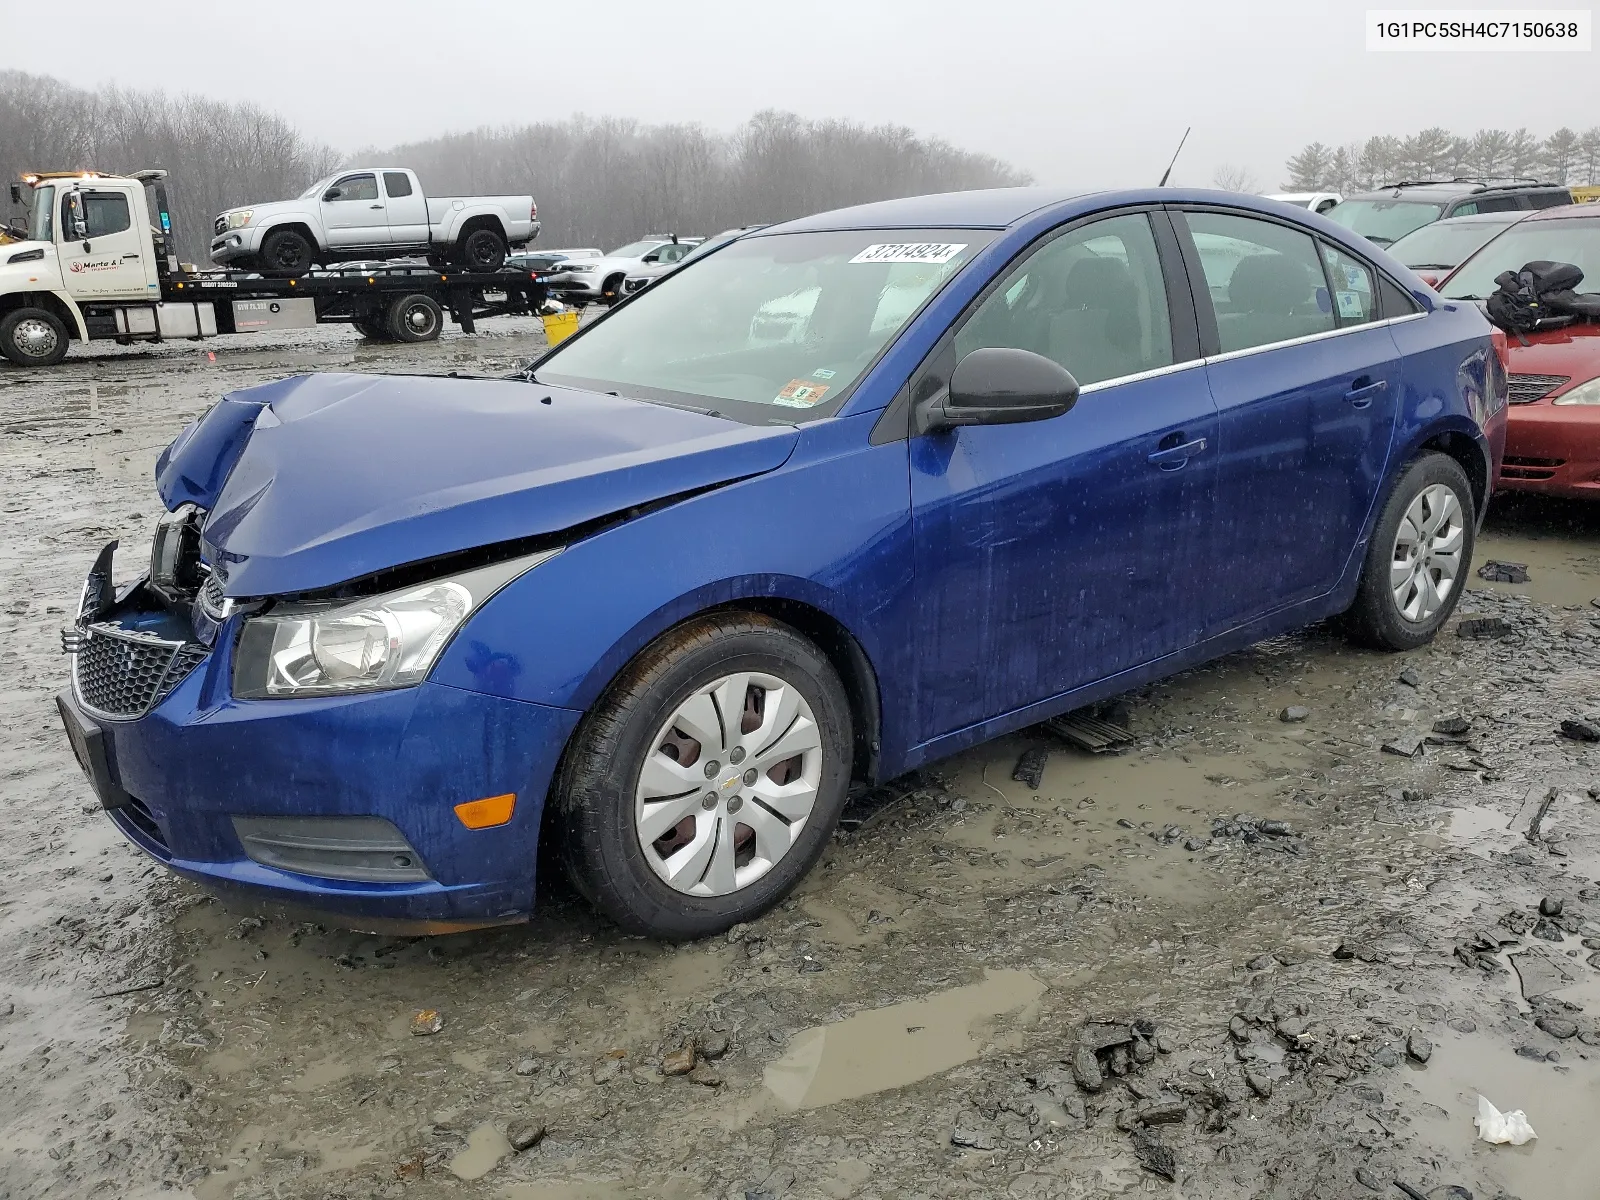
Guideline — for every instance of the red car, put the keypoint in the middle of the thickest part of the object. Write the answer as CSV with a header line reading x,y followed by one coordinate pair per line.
x,y
1553,425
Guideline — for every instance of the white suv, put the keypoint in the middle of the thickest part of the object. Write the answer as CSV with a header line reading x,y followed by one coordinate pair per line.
x,y
592,279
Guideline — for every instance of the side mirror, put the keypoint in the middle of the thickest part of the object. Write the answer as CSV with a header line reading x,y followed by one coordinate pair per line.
x,y
16,193
80,227
1000,385
18,226
333,193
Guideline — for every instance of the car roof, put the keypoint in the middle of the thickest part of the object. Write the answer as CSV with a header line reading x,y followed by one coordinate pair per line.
x,y
1450,188
1003,208
1590,210
994,208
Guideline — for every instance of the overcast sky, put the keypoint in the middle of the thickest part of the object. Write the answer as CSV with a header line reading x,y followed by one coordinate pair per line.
x,y
1079,94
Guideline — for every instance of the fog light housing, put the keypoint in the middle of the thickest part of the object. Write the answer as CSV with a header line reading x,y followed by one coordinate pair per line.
x,y
359,849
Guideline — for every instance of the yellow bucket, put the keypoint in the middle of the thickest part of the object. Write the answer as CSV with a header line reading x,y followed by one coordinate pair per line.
x,y
558,327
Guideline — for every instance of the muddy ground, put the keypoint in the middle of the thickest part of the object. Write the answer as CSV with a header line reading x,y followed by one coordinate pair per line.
x,y
1264,925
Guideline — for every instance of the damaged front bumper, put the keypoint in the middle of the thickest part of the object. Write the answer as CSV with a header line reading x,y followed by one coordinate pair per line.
x,y
357,792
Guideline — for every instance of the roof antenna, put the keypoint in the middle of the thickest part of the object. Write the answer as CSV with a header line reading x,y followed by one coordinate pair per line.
x,y
1165,175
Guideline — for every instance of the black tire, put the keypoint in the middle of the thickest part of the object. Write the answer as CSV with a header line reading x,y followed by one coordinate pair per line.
x,y
1375,619
33,337
594,796
415,318
483,250
611,291
374,329
286,254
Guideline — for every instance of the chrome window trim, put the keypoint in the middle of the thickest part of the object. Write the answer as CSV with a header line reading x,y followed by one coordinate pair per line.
x,y
1248,350
1152,373
1314,337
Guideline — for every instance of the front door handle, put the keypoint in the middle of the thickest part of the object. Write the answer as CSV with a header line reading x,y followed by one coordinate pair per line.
x,y
1365,391
1172,458
126,257
377,206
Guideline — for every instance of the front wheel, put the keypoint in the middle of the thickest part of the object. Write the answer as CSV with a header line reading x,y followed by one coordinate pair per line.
x,y
1417,562
707,780
286,254
33,337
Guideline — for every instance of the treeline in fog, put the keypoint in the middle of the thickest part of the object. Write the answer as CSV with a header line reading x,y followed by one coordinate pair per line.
x,y
602,182
1564,156
598,182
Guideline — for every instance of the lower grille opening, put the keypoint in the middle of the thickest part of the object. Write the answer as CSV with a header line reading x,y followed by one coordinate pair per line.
x,y
137,813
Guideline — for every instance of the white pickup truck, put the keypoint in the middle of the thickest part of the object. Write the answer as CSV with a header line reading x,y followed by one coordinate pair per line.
x,y
373,212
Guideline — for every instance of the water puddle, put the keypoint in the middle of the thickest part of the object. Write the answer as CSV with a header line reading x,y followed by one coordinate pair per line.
x,y
1561,1164
890,1047
486,1146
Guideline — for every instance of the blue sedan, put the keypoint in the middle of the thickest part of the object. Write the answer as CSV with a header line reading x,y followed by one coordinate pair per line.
x,y
839,499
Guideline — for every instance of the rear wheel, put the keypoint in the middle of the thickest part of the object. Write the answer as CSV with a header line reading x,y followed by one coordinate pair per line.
x,y
285,253
415,318
33,337
707,780
374,329
1417,562
483,250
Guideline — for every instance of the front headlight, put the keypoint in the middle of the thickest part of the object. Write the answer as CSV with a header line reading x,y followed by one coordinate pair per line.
x,y
1584,393
370,644
240,218
578,267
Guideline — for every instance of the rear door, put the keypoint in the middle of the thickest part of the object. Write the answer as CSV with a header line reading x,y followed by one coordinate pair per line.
x,y
1307,384
1056,553
407,209
355,215
102,252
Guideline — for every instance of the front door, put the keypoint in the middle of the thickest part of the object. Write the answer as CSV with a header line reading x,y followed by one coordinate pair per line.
x,y
356,215
1307,386
102,253
1053,554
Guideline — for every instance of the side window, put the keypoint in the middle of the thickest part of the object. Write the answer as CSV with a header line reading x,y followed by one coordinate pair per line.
x,y
1091,299
1509,203
1467,208
1354,300
1264,280
357,187
674,253
1396,302
105,213
397,184
1547,199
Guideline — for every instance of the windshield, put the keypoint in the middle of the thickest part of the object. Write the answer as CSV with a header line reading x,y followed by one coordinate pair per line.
x,y
1383,221
769,329
1447,243
633,250
40,228
1575,241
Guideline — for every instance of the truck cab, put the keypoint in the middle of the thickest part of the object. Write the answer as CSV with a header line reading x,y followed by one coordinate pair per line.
x,y
86,243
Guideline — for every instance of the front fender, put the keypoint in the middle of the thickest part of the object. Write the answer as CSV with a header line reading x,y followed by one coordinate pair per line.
x,y
830,530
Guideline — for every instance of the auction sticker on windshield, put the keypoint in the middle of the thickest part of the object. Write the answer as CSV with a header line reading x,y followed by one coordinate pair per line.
x,y
801,393
910,252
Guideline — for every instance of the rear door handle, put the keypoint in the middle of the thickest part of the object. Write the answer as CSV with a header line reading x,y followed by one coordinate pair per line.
x,y
1365,392
1173,457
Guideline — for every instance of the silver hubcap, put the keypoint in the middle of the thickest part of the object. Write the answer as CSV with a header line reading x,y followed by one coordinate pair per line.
x,y
729,784
1427,553
35,338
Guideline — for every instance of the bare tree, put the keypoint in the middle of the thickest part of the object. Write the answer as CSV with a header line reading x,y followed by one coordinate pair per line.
x,y
1234,179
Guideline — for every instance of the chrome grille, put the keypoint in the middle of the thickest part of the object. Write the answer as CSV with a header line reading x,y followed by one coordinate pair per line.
x,y
123,674
222,225
1525,389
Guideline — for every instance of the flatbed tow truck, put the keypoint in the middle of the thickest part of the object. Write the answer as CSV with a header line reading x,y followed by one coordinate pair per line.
x,y
96,259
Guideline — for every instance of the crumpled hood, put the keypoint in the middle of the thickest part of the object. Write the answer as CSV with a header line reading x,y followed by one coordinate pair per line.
x,y
320,479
